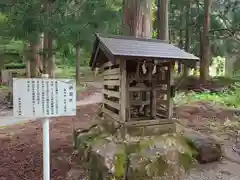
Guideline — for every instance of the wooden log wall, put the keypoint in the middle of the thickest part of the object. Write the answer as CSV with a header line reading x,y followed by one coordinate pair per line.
x,y
111,91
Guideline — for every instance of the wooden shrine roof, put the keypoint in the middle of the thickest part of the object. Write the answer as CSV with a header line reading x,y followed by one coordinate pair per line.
x,y
126,46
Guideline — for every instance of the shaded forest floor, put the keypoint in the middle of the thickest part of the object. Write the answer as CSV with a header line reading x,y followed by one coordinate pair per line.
x,y
21,145
221,124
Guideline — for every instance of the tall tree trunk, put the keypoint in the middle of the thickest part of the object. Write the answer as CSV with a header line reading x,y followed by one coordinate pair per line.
x,y
45,42
27,59
163,32
137,22
45,53
181,36
204,65
33,48
137,19
38,56
187,37
50,57
77,63
158,18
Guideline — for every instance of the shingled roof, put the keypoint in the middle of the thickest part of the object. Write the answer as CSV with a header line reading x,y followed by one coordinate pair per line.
x,y
124,46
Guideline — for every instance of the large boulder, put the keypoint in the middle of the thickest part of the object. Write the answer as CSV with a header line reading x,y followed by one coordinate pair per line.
x,y
208,148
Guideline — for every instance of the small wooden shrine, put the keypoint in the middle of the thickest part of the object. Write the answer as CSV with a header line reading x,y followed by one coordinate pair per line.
x,y
137,73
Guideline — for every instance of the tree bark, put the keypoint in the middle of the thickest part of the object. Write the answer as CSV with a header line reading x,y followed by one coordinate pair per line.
x,y
204,63
45,53
50,57
77,63
26,57
137,19
187,37
163,32
45,41
181,36
33,47
158,19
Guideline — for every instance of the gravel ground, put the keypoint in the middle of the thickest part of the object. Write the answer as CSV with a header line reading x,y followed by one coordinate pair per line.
x,y
225,170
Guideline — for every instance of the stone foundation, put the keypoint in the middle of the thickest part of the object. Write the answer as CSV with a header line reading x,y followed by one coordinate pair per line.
x,y
107,155
108,151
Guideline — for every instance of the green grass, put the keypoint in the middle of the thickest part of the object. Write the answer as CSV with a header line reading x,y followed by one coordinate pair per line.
x,y
69,72
3,87
229,98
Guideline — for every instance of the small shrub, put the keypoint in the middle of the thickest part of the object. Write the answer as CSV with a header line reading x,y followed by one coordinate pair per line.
x,y
230,97
15,66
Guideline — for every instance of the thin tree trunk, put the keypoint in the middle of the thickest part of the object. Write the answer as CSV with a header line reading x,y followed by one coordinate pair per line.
x,y
158,19
181,36
137,19
187,37
77,63
27,59
45,41
50,57
45,53
204,65
33,59
39,57
163,20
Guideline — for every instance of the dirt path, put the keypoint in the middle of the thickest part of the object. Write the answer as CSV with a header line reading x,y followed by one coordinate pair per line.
x,y
21,145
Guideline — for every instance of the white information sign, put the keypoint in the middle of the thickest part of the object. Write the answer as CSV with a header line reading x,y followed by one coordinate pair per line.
x,y
44,97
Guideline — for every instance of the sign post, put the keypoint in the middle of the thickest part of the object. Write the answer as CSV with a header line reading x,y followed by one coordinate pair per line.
x,y
44,98
46,150
46,145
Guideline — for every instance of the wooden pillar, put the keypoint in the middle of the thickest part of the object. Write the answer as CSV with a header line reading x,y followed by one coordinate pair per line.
x,y
169,85
153,96
123,90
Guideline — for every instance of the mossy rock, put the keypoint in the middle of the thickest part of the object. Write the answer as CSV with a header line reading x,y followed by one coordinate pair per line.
x,y
106,156
154,130
208,149
109,126
164,156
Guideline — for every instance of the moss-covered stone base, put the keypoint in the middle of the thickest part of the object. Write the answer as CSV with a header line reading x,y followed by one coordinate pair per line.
x,y
108,155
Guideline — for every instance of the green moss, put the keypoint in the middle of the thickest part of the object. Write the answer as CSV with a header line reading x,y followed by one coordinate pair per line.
x,y
109,126
135,131
186,160
144,158
95,167
120,160
192,147
157,167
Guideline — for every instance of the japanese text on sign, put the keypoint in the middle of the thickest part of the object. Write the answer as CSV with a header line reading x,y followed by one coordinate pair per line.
x,y
44,97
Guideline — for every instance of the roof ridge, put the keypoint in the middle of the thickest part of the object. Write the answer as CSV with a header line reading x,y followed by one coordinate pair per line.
x,y
130,38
